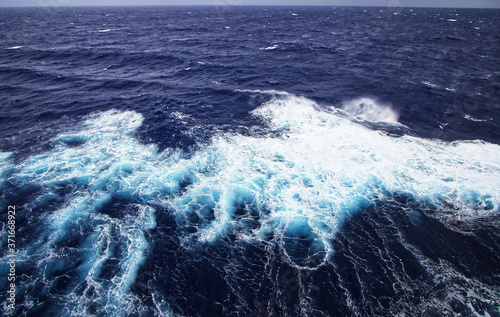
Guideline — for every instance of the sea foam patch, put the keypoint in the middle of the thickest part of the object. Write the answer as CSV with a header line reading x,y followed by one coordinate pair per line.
x,y
370,109
321,169
294,187
87,172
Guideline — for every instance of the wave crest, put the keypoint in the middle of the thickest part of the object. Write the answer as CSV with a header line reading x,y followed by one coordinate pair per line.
x,y
370,109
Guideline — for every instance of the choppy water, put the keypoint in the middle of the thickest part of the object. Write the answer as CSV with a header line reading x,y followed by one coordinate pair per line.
x,y
250,161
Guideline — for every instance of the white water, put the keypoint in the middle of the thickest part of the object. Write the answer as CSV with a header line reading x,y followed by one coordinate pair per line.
x,y
369,109
301,184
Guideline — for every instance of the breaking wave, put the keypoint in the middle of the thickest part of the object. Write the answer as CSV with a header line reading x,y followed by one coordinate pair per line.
x,y
99,189
370,109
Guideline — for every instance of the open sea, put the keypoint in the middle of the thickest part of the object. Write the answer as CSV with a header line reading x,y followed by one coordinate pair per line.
x,y
250,161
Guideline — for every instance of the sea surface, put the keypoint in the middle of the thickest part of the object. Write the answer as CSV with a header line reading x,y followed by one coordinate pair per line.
x,y
250,161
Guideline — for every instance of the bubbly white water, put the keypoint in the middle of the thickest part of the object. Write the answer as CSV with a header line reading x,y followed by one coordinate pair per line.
x,y
300,183
370,109
270,48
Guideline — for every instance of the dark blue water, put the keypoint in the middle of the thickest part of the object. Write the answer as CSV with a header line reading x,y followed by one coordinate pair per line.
x,y
251,161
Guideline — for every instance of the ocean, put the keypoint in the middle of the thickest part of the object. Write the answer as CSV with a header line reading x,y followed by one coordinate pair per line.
x,y
249,161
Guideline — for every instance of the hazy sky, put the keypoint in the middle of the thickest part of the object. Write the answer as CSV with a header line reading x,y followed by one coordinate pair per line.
x,y
382,3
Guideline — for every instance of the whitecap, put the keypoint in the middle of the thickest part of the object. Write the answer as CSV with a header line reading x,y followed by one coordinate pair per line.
x,y
471,118
5,161
267,91
370,109
100,153
305,179
270,48
429,84
182,117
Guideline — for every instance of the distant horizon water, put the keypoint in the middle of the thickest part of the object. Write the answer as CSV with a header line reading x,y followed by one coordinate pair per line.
x,y
454,4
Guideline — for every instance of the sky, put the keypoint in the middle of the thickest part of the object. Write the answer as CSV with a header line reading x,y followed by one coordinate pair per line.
x,y
381,3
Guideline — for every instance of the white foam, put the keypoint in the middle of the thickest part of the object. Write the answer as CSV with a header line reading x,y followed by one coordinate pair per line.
x,y
321,170
267,92
270,48
161,304
370,109
101,160
300,183
104,31
405,164
5,163
4,160
325,168
182,117
15,47
471,118
429,84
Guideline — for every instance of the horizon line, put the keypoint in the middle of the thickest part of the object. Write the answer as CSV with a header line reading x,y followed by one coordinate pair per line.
x,y
234,6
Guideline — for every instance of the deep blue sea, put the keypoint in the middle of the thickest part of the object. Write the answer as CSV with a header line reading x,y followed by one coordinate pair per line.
x,y
250,161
